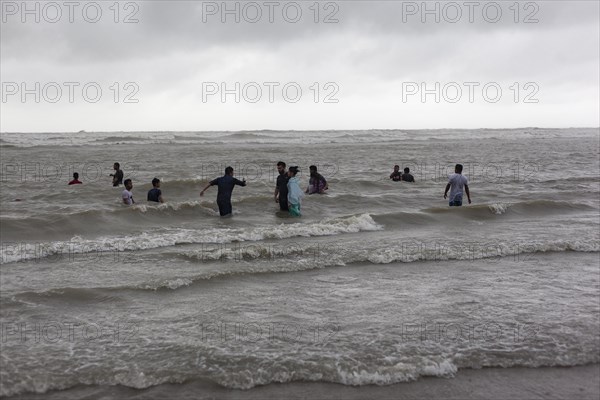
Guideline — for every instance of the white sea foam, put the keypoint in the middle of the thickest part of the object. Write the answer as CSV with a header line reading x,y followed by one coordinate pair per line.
x,y
469,251
499,208
172,237
260,258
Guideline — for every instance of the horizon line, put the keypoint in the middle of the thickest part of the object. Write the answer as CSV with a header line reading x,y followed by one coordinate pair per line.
x,y
302,130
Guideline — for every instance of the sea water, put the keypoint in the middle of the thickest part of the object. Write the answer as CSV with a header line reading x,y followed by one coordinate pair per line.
x,y
378,282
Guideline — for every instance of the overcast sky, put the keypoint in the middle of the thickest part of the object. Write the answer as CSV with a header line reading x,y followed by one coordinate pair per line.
x,y
358,64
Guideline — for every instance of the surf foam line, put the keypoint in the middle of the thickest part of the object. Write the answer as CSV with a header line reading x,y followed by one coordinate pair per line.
x,y
258,258
15,251
263,259
308,364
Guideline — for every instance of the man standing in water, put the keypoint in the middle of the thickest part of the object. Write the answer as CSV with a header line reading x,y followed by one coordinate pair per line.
x,y
117,177
155,194
127,196
281,189
406,176
226,183
457,181
396,176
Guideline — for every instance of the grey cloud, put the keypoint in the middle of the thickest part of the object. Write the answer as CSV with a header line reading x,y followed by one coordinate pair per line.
x,y
370,52
167,27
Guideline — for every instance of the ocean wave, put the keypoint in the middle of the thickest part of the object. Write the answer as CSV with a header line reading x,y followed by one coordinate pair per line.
x,y
330,368
95,214
261,258
296,257
345,366
170,207
382,370
25,139
127,139
480,212
499,208
171,237
571,180
146,213
99,219
522,207
412,251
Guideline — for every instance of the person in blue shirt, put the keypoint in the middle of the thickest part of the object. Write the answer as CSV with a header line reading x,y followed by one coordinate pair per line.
x,y
155,194
225,184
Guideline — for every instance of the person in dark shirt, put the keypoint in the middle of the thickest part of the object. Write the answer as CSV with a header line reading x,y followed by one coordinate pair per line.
x,y
75,180
281,189
155,194
118,175
316,182
226,183
406,176
396,176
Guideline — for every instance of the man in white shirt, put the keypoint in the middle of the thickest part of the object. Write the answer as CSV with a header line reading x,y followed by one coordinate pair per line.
x,y
127,195
457,181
